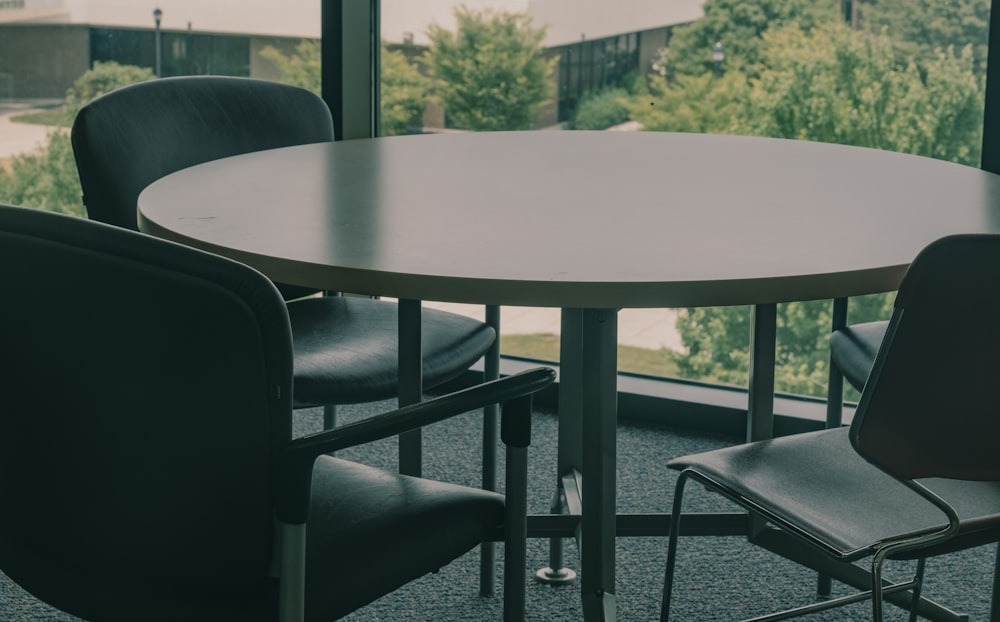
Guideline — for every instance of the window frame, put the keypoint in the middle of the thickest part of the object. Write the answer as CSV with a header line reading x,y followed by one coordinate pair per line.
x,y
350,74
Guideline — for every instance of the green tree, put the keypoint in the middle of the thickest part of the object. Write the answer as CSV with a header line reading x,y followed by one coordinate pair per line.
x,y
922,28
47,179
842,86
829,84
404,93
302,67
601,110
717,339
491,73
738,25
699,104
404,90
100,79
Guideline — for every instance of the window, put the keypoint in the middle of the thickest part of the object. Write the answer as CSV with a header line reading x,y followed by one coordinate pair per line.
x,y
607,62
56,55
737,73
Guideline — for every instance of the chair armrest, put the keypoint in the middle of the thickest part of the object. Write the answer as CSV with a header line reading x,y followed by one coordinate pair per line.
x,y
295,468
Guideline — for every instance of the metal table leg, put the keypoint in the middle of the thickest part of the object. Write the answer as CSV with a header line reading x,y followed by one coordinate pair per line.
x,y
834,414
411,383
600,425
760,407
763,341
491,419
569,449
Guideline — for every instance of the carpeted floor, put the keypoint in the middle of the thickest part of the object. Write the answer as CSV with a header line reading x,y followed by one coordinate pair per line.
x,y
717,578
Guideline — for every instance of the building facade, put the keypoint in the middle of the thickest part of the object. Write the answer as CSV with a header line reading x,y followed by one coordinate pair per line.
x,y
46,44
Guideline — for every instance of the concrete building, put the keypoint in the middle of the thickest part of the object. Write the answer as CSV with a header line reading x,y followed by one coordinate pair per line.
x,y
46,44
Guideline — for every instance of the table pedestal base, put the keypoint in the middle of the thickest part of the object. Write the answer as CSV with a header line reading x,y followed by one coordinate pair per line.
x,y
555,577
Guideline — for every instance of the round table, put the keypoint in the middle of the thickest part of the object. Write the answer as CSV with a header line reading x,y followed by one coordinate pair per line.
x,y
587,221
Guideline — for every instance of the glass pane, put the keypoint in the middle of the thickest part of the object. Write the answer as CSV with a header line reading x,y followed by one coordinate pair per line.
x,y
55,55
577,48
901,75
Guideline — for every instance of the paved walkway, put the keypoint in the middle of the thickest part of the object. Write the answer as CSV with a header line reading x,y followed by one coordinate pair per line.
x,y
644,328
18,138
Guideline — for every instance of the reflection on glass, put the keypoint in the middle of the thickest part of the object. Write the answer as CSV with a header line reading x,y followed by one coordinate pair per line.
x,y
59,54
902,75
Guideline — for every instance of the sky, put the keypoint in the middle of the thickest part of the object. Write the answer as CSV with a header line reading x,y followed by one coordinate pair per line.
x,y
567,20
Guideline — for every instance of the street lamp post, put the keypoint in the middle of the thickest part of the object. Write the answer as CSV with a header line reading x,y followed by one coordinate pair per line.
x,y
718,55
157,16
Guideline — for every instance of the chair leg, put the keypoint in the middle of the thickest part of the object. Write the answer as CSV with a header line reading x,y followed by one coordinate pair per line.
x,y
995,601
675,527
515,535
329,416
918,588
491,418
877,562
292,580
834,414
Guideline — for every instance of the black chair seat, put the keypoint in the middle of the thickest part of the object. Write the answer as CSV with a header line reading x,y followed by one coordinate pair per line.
x,y
853,350
127,139
159,479
370,531
779,477
347,349
917,472
391,526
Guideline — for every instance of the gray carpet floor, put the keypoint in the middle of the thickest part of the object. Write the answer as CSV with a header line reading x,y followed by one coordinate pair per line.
x,y
717,578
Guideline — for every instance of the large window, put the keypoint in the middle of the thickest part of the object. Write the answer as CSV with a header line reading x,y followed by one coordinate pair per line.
x,y
58,54
906,75
901,75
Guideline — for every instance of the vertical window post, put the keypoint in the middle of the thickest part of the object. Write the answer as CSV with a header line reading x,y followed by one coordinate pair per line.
x,y
350,65
991,118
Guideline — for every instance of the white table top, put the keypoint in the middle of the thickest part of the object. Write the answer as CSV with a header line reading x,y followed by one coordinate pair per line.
x,y
576,219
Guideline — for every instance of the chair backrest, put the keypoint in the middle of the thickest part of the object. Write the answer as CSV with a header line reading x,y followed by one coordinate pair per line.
x,y
127,139
146,389
931,407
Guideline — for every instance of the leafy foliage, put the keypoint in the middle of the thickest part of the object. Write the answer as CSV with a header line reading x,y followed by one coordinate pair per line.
x,y
811,79
491,73
602,110
717,342
404,93
404,89
103,78
920,29
47,179
302,68
738,25
841,86
831,85
700,104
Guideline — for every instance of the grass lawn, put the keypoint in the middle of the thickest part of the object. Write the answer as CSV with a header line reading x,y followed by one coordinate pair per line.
x,y
631,359
55,116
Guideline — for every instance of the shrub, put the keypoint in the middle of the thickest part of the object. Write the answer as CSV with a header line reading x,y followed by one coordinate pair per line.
x,y
601,110
47,178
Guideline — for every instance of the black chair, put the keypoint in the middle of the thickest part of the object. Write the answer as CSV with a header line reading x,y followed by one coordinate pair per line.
x,y
917,474
147,467
346,348
853,349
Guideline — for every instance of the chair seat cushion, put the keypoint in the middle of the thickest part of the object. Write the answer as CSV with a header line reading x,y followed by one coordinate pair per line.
x,y
853,349
366,523
369,533
843,504
347,349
